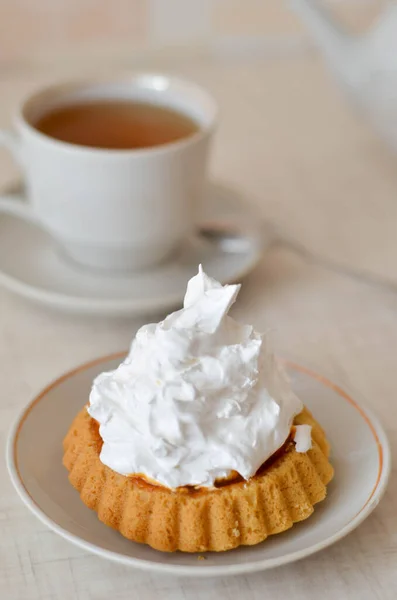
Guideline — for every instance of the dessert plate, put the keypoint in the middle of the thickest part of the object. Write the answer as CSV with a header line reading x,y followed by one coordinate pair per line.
x,y
229,244
360,455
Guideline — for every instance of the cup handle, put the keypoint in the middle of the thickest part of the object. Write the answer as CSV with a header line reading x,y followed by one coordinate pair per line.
x,y
17,207
14,205
9,140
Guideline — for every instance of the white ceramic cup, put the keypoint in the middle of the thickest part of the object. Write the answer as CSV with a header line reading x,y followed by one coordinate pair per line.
x,y
115,209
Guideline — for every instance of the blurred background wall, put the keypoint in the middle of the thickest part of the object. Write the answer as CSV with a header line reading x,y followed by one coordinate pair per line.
x,y
47,30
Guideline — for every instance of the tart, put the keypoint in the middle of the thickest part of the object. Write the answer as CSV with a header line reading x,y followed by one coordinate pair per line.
x,y
197,441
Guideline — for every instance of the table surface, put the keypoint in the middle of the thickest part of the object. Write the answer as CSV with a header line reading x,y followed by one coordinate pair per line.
x,y
321,177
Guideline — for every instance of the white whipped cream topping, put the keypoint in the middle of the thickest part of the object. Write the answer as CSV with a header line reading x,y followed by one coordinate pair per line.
x,y
198,396
303,438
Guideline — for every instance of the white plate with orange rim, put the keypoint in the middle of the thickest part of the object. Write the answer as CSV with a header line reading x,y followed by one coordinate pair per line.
x,y
360,455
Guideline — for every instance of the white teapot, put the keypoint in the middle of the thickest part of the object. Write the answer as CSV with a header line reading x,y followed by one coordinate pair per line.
x,y
366,65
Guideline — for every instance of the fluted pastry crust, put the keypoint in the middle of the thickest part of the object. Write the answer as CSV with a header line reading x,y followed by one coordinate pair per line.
x,y
283,492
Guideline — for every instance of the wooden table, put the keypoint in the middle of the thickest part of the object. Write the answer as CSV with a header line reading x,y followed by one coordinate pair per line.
x,y
327,290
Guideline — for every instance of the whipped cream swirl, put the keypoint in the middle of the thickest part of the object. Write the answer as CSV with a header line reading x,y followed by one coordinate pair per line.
x,y
198,396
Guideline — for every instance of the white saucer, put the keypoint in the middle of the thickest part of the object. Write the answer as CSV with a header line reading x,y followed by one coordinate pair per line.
x,y
32,266
361,458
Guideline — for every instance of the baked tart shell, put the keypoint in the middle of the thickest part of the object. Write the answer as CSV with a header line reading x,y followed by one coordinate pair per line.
x,y
237,512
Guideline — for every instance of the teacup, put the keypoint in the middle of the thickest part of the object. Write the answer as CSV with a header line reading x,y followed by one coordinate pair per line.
x,y
114,208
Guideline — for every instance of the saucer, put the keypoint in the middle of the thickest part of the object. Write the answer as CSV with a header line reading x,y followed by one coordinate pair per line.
x,y
360,455
229,246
